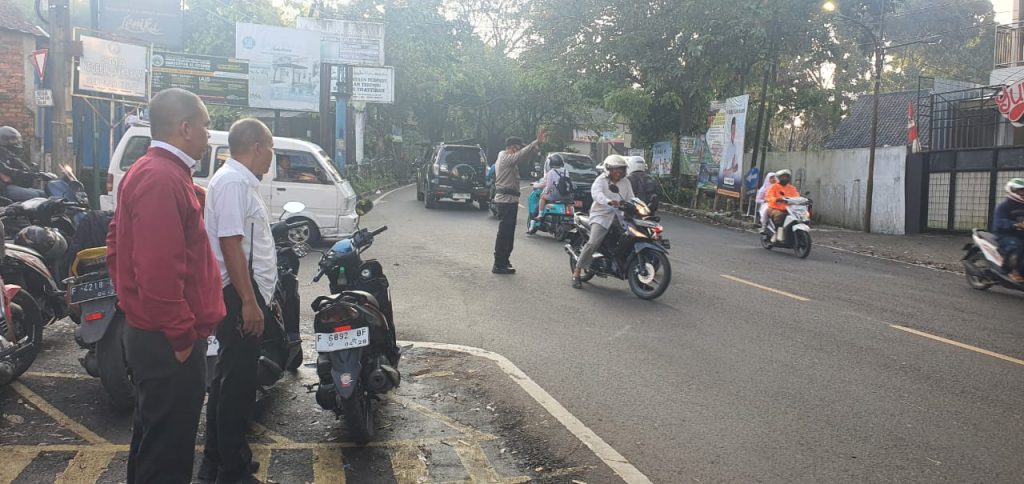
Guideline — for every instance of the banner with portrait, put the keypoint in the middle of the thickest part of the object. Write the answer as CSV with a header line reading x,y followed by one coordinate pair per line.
x,y
725,138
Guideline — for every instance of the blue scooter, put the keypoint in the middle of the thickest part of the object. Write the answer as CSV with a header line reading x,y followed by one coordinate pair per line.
x,y
557,219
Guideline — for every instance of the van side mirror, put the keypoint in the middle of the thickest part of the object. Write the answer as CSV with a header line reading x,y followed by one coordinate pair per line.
x,y
363,206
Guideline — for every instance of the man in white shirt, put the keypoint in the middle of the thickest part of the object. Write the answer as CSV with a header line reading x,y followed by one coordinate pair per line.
x,y
604,210
238,225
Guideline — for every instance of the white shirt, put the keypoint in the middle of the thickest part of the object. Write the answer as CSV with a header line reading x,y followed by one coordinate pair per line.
x,y
234,207
600,211
187,160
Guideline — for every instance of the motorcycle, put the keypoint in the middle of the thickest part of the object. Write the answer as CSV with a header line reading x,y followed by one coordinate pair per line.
x,y
634,251
21,331
356,343
92,297
983,263
557,217
65,186
278,352
796,231
56,213
34,271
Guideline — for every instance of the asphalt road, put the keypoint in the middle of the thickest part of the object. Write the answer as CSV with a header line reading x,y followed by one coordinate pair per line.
x,y
806,378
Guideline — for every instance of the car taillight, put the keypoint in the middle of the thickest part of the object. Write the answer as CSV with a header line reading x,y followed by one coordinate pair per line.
x,y
579,204
110,183
568,209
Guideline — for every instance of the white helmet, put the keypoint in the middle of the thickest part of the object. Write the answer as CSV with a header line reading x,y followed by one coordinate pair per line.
x,y
635,164
614,161
779,173
1015,189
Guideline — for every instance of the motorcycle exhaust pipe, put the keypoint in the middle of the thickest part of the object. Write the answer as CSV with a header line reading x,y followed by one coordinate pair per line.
x,y
568,250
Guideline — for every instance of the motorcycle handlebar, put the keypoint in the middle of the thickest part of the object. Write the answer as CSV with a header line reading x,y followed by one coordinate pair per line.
x,y
379,231
319,275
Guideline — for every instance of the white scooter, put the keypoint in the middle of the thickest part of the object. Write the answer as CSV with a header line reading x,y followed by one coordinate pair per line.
x,y
796,233
984,264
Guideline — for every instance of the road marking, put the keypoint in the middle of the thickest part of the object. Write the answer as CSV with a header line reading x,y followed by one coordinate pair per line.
x,y
766,288
328,466
441,418
611,457
261,455
46,374
392,191
86,467
958,344
477,465
270,434
14,463
409,464
61,419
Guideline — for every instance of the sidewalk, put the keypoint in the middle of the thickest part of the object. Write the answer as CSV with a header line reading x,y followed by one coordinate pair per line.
x,y
930,250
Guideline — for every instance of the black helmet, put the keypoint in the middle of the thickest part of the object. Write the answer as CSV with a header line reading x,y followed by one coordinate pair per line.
x,y
44,240
10,137
556,161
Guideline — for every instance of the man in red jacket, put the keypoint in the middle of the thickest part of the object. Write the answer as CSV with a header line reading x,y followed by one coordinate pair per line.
x,y
168,286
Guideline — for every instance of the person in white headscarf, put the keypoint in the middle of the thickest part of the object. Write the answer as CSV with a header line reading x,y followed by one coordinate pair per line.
x,y
762,207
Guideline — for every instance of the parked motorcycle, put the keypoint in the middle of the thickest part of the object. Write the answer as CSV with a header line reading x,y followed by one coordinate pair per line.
x,y
30,263
796,233
636,252
983,263
65,186
92,297
355,335
557,218
21,331
278,352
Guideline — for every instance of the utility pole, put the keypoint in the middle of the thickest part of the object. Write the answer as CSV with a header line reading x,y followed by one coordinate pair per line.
x,y
769,71
869,189
60,34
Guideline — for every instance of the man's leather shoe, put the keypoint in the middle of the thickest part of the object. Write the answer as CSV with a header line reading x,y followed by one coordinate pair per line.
x,y
503,270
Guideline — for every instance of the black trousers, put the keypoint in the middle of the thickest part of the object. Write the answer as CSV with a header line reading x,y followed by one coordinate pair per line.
x,y
168,402
506,239
233,391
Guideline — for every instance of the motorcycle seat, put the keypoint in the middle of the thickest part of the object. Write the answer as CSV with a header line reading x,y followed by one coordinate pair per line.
x,y
988,237
585,220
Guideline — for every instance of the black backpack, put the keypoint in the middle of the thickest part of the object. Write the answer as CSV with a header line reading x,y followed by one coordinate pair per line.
x,y
564,185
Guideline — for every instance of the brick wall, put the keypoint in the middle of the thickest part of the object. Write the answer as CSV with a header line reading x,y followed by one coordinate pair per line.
x,y
13,105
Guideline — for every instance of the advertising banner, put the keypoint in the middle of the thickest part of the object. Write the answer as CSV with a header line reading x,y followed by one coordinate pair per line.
x,y
635,152
217,80
284,66
725,138
693,152
113,68
153,21
373,84
348,42
661,159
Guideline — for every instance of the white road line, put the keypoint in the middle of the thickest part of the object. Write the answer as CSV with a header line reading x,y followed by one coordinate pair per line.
x,y
601,449
392,191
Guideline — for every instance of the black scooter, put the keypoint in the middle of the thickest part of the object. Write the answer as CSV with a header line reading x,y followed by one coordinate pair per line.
x,y
355,335
636,252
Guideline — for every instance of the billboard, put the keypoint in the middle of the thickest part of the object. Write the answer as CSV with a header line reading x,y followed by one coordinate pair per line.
x,y
113,68
373,84
217,80
725,138
693,152
661,159
284,66
348,42
153,22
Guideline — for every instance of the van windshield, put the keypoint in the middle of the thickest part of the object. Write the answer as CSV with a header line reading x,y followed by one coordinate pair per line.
x,y
332,170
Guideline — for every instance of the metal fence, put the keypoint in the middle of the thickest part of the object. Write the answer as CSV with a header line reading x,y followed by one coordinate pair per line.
x,y
965,118
962,187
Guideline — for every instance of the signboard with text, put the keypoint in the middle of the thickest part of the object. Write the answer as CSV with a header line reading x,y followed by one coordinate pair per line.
x,y
347,42
726,137
153,21
661,159
373,84
113,68
217,80
284,66
44,98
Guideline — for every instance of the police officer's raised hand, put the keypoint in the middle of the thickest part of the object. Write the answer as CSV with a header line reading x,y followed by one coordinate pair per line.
x,y
252,319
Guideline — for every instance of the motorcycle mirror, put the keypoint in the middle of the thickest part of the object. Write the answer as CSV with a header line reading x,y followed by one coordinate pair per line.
x,y
294,207
363,207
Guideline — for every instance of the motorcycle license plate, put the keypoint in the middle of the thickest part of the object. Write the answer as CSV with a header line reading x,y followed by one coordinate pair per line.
x,y
342,340
91,291
460,196
212,345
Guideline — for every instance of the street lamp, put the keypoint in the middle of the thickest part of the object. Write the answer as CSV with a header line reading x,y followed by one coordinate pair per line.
x,y
880,48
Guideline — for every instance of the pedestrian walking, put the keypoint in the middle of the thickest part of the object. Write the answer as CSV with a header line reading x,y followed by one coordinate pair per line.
x,y
506,197
168,285
238,223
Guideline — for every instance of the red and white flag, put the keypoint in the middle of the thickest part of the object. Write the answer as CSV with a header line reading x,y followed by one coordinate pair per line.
x,y
915,144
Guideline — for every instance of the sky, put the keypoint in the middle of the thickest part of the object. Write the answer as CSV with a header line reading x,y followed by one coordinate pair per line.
x,y
1002,9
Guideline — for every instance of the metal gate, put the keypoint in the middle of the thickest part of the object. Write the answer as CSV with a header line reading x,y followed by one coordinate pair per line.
x,y
962,187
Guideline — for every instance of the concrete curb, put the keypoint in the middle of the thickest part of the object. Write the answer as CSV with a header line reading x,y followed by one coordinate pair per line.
x,y
719,218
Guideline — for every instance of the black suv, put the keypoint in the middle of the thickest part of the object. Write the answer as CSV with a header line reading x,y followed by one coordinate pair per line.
x,y
456,172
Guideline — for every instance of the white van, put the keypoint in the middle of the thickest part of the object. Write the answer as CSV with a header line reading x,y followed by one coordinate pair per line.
x,y
300,172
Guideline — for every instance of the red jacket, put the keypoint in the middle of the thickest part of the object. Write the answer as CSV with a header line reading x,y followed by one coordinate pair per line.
x,y
158,253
